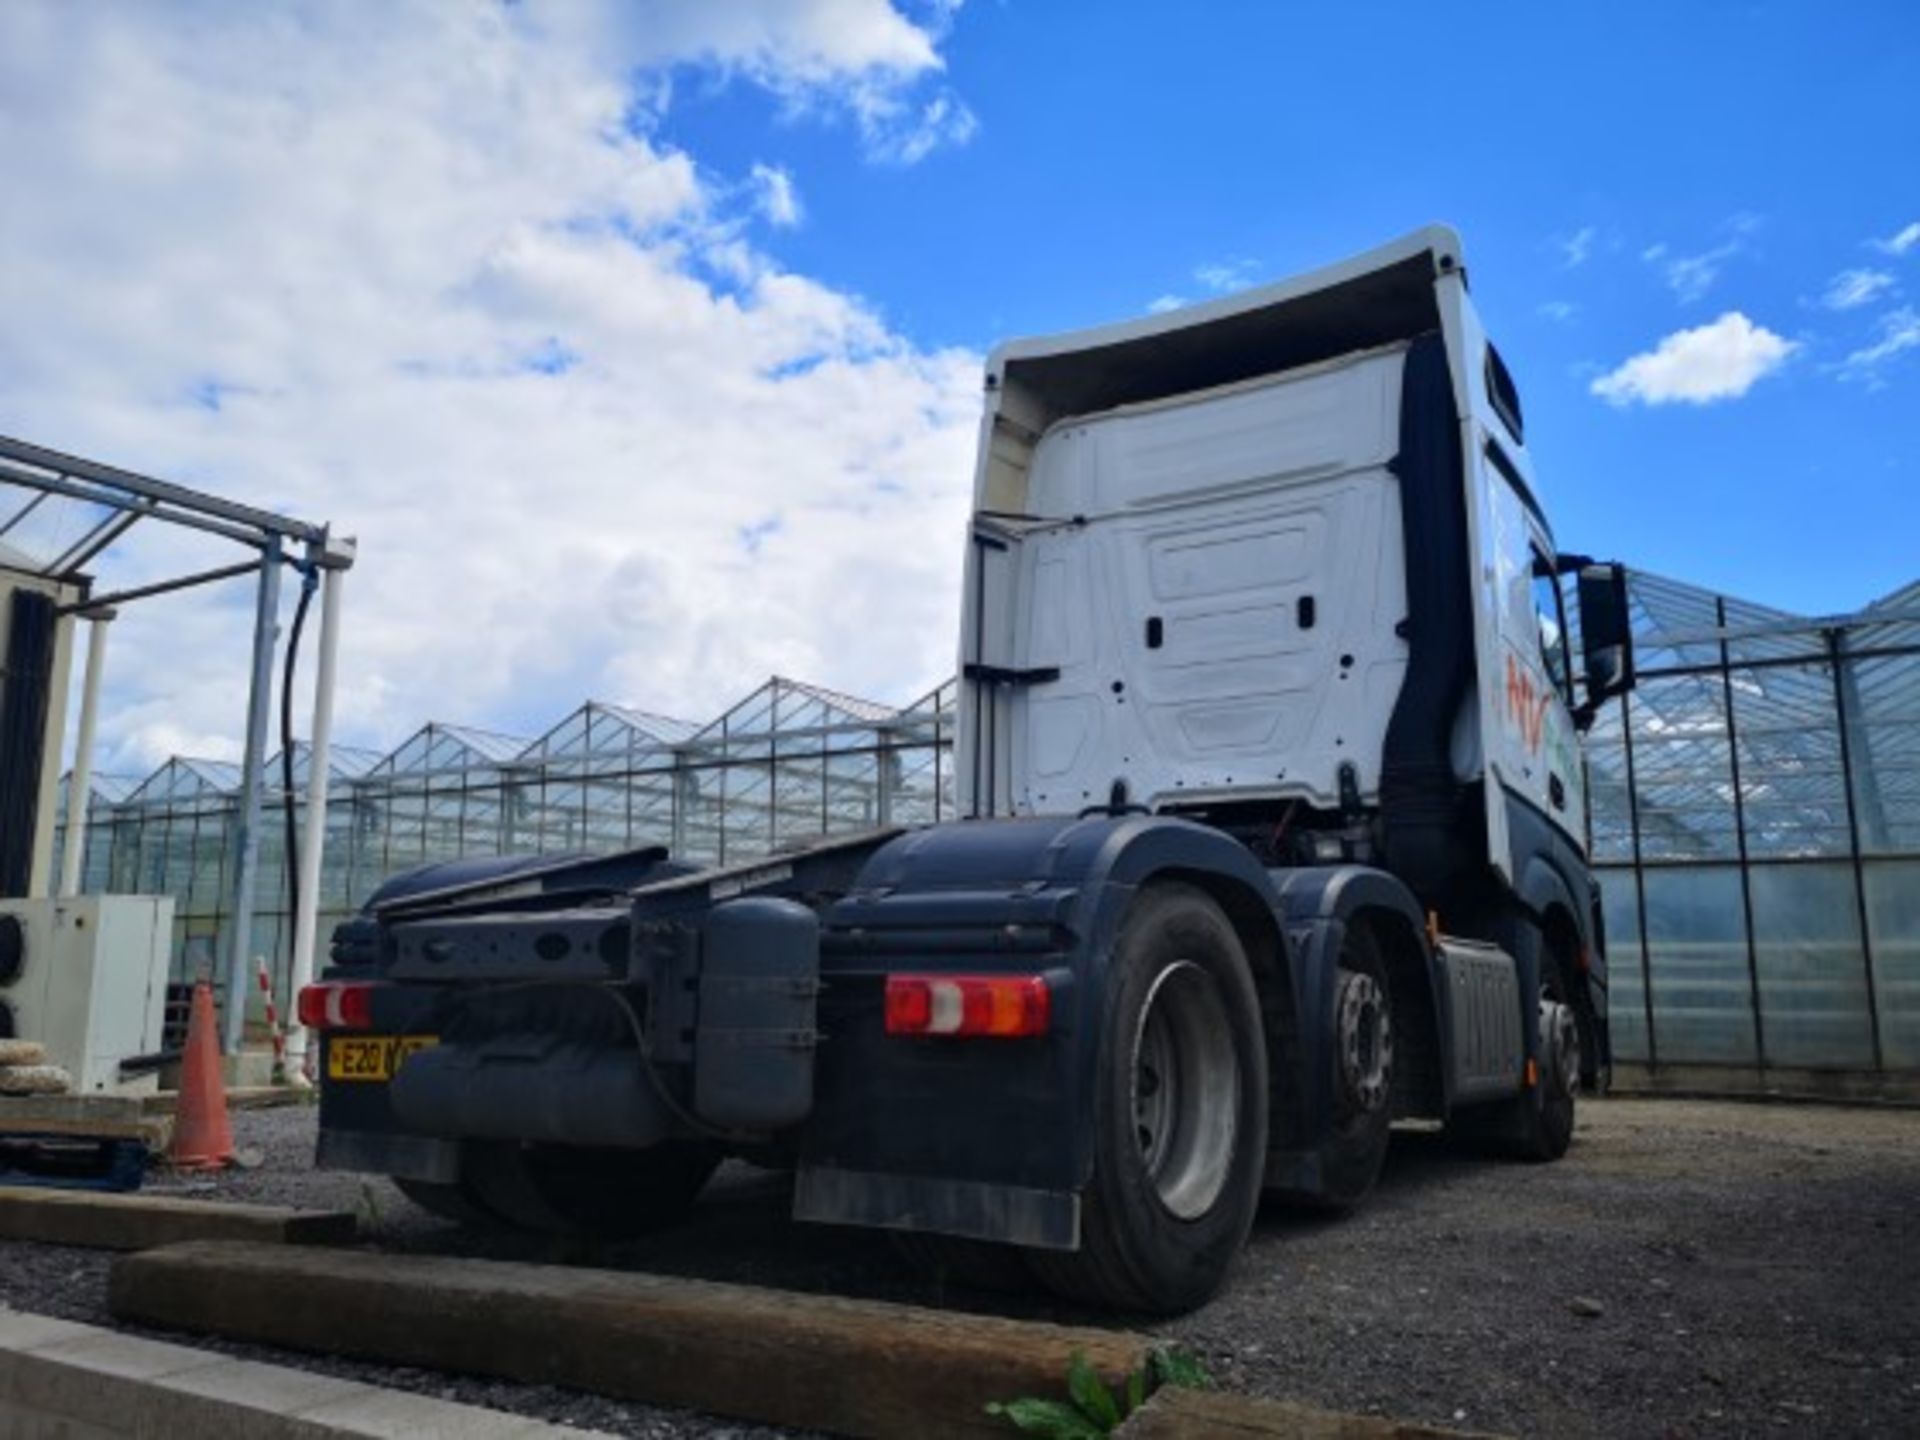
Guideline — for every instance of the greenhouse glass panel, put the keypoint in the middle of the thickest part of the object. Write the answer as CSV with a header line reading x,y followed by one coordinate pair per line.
x,y
853,790
1697,964
747,815
1683,769
1793,789
799,801
699,829
1626,961
1893,929
650,797
1812,968
1609,805
1883,734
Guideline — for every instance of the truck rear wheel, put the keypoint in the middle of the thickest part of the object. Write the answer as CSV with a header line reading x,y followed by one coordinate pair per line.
x,y
1180,1129
1536,1124
1363,1073
606,1193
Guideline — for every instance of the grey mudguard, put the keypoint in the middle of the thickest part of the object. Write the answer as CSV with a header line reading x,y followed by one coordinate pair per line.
x,y
1319,902
1036,896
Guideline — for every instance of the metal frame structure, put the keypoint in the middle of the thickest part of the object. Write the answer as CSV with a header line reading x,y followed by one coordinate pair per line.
x,y
786,764
69,512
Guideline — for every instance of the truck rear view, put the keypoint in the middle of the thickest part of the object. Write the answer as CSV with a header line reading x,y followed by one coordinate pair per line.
x,y
1269,716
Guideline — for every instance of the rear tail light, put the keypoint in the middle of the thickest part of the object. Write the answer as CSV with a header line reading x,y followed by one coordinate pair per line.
x,y
999,1005
335,1005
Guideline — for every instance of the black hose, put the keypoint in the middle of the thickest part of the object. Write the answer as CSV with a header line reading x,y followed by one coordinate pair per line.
x,y
309,581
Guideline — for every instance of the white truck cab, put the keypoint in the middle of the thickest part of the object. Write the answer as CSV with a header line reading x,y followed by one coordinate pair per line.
x,y
1188,584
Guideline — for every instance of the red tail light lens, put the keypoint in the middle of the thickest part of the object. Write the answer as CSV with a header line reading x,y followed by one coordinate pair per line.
x,y
997,1005
336,1006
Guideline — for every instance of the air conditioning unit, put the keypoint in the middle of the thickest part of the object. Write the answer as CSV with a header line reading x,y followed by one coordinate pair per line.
x,y
87,977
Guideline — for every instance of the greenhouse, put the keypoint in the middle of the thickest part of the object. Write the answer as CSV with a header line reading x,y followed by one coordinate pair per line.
x,y
788,763
1755,819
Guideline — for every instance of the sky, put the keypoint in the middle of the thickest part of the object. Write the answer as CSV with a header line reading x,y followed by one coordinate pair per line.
x,y
638,342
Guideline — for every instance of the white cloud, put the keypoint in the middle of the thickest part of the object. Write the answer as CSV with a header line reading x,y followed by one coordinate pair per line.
x,y
1721,361
428,272
1162,304
1577,247
782,44
1851,289
906,135
1900,242
857,57
1690,277
1221,276
1899,332
775,195
1558,311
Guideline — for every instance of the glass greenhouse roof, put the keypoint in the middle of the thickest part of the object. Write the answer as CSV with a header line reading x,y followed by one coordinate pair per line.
x,y
1733,694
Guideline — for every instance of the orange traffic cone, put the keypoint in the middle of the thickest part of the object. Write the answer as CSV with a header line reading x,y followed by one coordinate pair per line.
x,y
202,1136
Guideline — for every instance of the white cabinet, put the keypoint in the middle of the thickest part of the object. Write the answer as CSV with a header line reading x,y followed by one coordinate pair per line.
x,y
91,980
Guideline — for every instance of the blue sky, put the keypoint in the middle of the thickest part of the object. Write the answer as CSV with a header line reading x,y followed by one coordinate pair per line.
x,y
1122,148
639,341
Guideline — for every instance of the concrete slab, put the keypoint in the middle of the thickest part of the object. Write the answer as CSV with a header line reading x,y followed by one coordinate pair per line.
x,y
132,1357
137,1222
853,1367
1215,1415
22,1330
99,1117
397,1413
275,1389
239,1097
61,1381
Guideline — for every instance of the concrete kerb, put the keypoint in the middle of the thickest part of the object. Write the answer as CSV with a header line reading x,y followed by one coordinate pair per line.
x,y
80,1382
849,1367
104,1221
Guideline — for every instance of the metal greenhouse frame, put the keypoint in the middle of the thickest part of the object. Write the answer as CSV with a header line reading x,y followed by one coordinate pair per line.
x,y
1755,822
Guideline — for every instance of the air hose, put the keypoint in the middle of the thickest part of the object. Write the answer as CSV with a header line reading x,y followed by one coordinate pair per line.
x,y
309,582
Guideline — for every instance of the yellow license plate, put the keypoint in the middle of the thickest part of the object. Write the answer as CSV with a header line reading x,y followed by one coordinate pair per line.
x,y
372,1057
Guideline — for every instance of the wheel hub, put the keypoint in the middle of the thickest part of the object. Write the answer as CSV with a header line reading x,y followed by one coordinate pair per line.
x,y
1185,1090
1560,1044
1364,1034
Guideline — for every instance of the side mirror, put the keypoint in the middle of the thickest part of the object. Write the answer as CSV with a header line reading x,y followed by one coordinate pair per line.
x,y
1606,636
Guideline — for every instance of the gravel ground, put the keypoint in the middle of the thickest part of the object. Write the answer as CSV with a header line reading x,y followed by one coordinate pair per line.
x,y
1691,1269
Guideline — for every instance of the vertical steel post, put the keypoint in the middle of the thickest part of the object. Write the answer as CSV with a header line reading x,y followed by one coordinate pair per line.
x,y
1836,662
313,838
1639,884
1740,836
266,631
80,782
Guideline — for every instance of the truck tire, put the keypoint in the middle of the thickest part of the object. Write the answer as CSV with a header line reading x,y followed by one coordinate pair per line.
x,y
1547,1122
605,1194
1537,1124
1363,1059
1180,1114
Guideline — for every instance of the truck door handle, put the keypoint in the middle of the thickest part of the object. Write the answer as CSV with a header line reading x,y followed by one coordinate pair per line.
x,y
1556,791
1156,632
